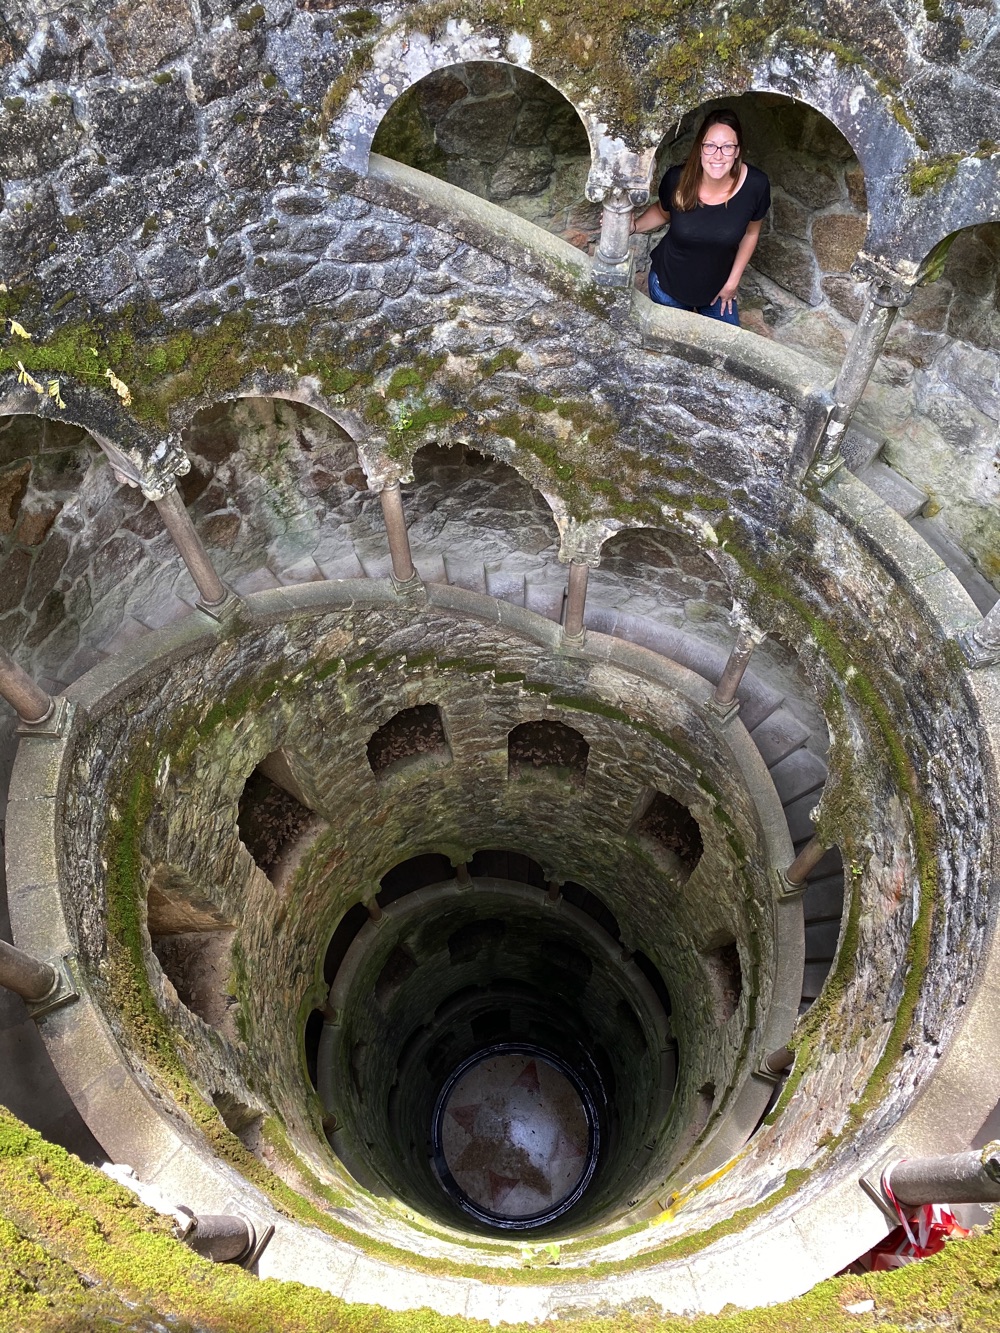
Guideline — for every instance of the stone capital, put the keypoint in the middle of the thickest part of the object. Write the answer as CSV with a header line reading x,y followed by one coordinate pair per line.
x,y
890,286
581,542
154,473
380,469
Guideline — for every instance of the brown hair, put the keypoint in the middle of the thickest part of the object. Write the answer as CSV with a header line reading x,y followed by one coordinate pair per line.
x,y
686,195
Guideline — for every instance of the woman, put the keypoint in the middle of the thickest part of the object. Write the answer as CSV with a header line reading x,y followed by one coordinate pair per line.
x,y
715,205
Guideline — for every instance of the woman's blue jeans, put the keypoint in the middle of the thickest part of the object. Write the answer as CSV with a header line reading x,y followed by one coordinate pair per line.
x,y
713,311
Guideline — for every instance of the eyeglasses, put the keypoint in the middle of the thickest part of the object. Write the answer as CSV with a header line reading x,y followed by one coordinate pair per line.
x,y
726,149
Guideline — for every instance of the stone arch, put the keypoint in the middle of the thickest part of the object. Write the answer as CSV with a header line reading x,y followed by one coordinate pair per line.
x,y
817,224
401,60
278,494
139,457
647,577
477,522
851,100
500,132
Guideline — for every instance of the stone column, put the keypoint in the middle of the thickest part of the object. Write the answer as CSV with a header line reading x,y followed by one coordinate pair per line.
x,y
28,700
806,862
395,526
212,592
963,1177
576,602
887,292
981,644
619,180
616,228
747,639
33,980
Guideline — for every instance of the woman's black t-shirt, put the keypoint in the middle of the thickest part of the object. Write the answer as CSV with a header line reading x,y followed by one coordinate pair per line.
x,y
696,256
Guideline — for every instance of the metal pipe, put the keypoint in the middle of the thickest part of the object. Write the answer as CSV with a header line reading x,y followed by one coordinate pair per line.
x,y
735,668
863,352
28,700
177,521
26,976
395,526
806,861
221,1237
616,227
375,912
963,1177
576,599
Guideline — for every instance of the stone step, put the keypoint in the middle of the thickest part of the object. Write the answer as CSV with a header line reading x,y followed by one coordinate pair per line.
x,y
128,632
800,826
823,899
430,566
861,446
465,574
375,565
344,566
778,735
821,941
305,570
258,580
896,491
545,599
940,540
505,584
797,774
813,976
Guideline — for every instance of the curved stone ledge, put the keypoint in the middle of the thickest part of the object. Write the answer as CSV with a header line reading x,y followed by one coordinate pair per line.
x,y
776,1256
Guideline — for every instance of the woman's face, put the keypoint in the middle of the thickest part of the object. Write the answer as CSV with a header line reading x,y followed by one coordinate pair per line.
x,y
719,149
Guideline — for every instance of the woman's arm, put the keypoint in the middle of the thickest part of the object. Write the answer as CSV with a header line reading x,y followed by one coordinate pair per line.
x,y
653,218
747,246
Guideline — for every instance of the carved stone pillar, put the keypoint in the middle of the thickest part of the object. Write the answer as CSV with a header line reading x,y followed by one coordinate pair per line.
x,y
212,592
395,526
887,292
576,602
747,639
981,644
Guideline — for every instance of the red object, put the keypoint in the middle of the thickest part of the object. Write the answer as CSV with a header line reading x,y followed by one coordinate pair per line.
x,y
922,1231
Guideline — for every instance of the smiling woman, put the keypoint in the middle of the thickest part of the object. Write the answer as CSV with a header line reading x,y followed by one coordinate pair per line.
x,y
715,204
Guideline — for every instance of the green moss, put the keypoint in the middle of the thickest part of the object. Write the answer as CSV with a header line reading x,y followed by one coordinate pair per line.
x,y
506,359
250,18
928,176
14,104
164,77
150,226
269,80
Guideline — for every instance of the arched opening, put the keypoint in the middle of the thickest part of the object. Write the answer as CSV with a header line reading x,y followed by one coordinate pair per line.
x,y
413,740
671,834
547,747
192,942
415,873
797,289
270,818
501,133
278,497
475,522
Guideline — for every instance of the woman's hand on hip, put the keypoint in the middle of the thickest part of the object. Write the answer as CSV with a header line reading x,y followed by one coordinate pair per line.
x,y
727,296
